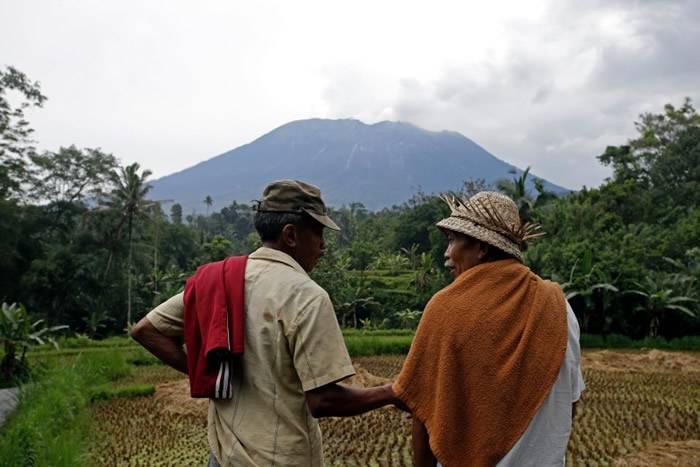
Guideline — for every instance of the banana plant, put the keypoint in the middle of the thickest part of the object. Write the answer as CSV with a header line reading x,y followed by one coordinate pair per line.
x,y
660,296
408,318
594,287
17,335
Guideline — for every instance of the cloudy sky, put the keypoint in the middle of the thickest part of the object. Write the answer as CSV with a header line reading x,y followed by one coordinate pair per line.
x,y
546,84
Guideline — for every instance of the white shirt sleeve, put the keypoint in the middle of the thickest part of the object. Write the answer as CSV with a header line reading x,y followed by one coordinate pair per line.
x,y
574,354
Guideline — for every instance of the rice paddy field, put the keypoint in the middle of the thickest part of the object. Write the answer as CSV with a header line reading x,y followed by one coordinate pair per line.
x,y
640,408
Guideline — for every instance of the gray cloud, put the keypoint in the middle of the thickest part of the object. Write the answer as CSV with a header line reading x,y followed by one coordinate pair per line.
x,y
566,85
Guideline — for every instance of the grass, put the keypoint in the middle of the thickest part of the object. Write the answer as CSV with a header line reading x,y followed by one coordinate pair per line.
x,y
74,346
352,332
107,392
617,341
50,424
398,341
367,345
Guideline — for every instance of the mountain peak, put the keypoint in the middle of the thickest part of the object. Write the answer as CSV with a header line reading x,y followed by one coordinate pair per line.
x,y
379,164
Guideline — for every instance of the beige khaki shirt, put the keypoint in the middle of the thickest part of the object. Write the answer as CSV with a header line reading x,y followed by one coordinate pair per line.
x,y
292,344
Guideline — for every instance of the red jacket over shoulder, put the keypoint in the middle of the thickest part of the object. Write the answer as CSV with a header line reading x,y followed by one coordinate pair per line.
x,y
214,325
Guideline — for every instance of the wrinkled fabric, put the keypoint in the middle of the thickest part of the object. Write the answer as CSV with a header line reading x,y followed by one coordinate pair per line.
x,y
486,354
293,344
214,324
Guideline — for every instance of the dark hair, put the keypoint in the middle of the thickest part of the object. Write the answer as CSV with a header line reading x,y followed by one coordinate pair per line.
x,y
269,224
493,254
496,254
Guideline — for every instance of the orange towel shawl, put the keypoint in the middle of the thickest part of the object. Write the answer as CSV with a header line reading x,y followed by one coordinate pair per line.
x,y
486,354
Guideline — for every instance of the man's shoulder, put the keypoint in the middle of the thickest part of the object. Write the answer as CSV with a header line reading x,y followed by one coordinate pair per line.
x,y
281,273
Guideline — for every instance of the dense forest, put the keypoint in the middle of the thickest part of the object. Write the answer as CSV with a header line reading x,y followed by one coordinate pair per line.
x,y
83,245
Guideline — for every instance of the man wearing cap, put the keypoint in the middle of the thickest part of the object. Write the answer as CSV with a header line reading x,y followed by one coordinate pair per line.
x,y
493,372
294,351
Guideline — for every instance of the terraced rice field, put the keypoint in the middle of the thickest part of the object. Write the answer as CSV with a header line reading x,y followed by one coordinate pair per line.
x,y
640,408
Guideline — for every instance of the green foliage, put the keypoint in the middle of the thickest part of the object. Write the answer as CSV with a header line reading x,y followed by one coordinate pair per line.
x,y
108,392
217,249
176,213
637,232
349,332
393,262
129,199
408,319
83,341
143,358
17,335
71,175
368,345
660,295
15,132
95,249
51,422
618,341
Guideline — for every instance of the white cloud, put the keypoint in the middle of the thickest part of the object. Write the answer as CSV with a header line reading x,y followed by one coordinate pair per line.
x,y
546,83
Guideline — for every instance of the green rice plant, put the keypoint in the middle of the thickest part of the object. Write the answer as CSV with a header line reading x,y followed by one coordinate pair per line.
x,y
378,332
50,424
618,341
141,357
107,392
362,346
82,341
99,367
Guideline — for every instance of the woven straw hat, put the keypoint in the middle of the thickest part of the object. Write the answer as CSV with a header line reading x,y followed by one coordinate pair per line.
x,y
492,218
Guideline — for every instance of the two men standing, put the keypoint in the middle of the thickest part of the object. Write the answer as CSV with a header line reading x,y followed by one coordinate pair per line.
x,y
294,354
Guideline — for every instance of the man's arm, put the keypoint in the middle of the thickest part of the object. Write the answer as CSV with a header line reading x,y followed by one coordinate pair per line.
x,y
422,455
168,349
334,400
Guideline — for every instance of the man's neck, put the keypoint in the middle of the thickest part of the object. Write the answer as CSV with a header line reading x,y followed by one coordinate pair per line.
x,y
279,246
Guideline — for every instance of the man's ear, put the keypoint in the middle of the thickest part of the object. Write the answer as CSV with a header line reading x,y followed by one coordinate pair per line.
x,y
289,235
483,250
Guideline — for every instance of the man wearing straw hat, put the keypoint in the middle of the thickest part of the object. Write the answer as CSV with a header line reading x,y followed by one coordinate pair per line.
x,y
493,373
294,353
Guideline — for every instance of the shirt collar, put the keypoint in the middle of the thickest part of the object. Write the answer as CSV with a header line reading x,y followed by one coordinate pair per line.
x,y
270,254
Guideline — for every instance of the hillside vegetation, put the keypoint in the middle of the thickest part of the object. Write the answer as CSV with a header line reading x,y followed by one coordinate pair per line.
x,y
81,245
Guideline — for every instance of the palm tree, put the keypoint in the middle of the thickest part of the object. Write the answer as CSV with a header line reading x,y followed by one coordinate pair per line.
x,y
128,197
209,202
516,189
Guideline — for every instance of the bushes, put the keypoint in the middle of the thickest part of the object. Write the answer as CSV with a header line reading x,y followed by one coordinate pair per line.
x,y
618,341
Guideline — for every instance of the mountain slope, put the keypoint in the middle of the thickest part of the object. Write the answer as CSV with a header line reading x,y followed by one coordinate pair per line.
x,y
378,165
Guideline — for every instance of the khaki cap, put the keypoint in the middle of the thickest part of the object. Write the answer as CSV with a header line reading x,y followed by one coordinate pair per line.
x,y
294,196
